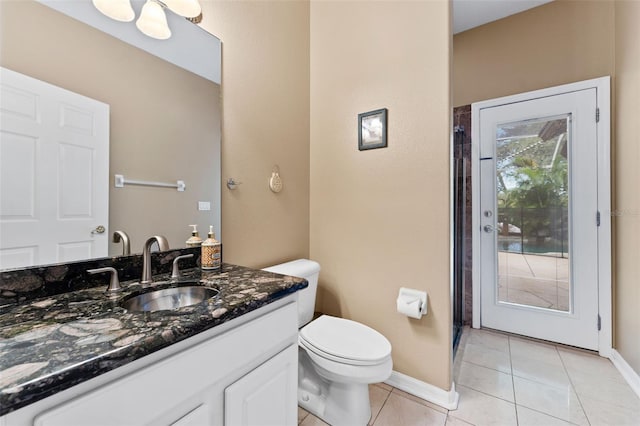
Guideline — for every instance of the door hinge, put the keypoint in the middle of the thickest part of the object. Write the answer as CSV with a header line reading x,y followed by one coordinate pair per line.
x,y
599,323
598,219
597,115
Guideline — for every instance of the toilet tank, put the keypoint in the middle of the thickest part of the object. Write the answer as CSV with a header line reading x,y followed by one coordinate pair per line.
x,y
309,270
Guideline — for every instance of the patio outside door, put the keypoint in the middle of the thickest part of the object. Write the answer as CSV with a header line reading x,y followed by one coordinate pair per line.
x,y
536,216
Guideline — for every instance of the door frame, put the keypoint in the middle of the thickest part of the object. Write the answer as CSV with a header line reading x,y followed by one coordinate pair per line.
x,y
603,129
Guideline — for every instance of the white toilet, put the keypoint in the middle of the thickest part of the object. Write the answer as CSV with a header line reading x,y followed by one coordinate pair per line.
x,y
338,358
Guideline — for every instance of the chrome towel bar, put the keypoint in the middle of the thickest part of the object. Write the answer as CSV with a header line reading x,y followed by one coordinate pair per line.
x,y
121,181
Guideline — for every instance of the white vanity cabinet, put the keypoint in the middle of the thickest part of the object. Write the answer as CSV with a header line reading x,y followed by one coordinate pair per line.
x,y
243,372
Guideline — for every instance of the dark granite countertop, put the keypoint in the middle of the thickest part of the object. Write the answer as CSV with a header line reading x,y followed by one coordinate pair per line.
x,y
50,344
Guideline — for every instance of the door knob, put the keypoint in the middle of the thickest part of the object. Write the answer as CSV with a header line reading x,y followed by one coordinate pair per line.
x,y
488,228
99,230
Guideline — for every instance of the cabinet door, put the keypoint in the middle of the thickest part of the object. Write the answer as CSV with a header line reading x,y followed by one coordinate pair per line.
x,y
268,395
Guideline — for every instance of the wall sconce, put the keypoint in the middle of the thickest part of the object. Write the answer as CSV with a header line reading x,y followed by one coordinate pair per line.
x,y
152,20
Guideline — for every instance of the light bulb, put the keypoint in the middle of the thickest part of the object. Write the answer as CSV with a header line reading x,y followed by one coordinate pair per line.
x,y
153,21
120,10
186,8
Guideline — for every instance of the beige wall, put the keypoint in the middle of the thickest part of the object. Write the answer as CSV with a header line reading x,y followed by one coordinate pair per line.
x,y
557,43
380,218
165,122
627,178
265,102
562,42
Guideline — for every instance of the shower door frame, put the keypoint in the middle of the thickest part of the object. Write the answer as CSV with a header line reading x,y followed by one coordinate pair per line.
x,y
602,86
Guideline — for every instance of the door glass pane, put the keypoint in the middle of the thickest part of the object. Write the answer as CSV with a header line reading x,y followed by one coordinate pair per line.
x,y
532,170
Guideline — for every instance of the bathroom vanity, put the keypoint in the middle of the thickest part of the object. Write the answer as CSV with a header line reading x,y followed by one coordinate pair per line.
x,y
80,358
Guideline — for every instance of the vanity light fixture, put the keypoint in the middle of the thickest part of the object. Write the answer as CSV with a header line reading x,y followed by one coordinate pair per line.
x,y
152,20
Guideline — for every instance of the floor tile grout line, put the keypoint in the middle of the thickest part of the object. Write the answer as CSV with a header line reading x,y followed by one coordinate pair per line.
x,y
484,366
382,406
486,393
457,418
303,417
513,384
489,395
538,382
573,388
541,381
424,405
491,333
547,414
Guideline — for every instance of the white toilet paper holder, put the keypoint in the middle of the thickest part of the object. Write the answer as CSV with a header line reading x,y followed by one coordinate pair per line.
x,y
409,297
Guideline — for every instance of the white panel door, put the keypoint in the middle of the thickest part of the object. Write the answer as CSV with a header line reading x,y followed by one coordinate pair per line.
x,y
538,218
54,173
267,396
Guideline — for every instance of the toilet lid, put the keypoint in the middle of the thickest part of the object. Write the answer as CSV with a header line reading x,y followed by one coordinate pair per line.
x,y
345,339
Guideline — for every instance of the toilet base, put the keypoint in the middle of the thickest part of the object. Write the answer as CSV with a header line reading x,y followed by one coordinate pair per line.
x,y
346,406
336,403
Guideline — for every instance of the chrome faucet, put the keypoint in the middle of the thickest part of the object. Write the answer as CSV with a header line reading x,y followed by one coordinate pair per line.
x,y
163,245
126,244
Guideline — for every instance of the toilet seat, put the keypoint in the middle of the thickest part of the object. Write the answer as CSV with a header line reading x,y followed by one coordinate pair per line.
x,y
345,341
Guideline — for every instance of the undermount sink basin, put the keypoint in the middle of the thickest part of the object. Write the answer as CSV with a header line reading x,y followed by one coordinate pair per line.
x,y
168,298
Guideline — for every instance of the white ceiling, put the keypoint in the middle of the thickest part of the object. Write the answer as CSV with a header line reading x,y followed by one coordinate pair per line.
x,y
469,14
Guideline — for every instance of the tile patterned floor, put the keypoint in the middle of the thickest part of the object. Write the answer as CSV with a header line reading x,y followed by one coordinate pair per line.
x,y
508,380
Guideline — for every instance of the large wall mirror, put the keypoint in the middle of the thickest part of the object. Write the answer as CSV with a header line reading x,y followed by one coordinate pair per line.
x,y
164,122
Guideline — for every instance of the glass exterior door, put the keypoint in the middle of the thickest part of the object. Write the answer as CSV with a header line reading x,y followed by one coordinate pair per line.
x,y
538,206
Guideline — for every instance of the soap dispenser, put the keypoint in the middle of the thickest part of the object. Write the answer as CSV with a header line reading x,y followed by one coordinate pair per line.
x,y
194,240
211,252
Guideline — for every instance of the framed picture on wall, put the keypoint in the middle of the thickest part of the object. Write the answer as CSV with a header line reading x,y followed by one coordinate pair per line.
x,y
372,129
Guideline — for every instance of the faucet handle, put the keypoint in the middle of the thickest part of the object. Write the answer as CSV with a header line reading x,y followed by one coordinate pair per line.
x,y
175,273
114,282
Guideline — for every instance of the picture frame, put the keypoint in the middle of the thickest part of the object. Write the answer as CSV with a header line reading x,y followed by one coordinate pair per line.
x,y
372,129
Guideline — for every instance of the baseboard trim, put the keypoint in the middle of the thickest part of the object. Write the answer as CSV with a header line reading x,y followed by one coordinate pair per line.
x,y
424,390
626,371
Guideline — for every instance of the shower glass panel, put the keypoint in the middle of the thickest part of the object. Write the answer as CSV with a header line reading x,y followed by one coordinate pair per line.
x,y
533,192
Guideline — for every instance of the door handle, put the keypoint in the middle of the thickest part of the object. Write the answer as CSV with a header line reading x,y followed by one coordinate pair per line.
x,y
99,230
489,229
